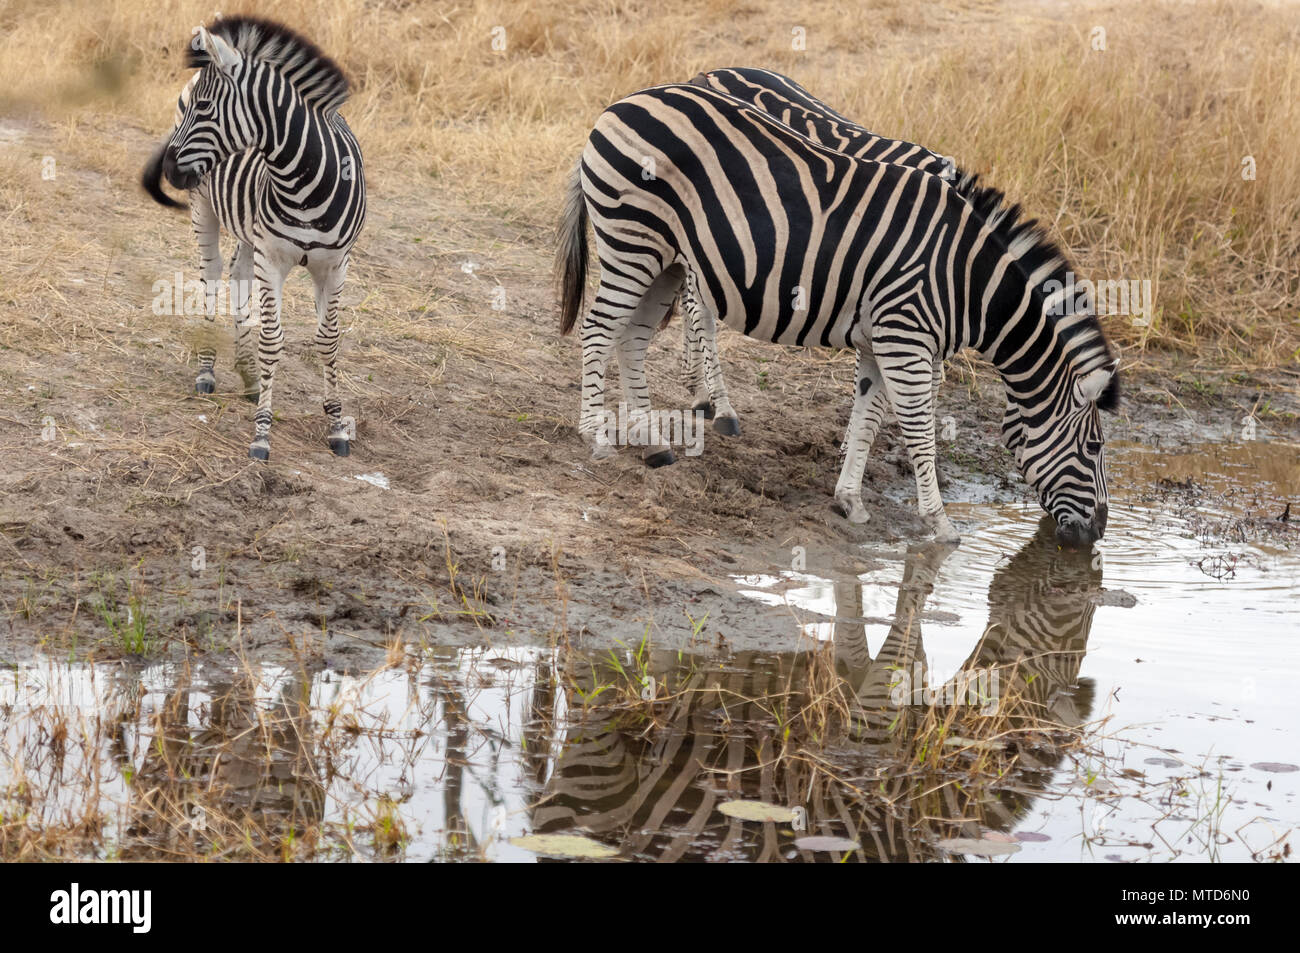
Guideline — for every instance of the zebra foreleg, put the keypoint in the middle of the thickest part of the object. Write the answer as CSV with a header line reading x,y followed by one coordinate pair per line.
x,y
269,278
241,273
207,230
909,380
864,423
329,285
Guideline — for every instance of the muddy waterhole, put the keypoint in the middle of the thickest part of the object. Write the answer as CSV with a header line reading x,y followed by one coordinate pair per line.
x,y
1000,701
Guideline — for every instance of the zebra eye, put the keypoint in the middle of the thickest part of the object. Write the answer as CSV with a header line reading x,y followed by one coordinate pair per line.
x,y
1093,447
203,105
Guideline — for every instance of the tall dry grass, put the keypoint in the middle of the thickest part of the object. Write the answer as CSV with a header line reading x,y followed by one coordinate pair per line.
x,y
1134,154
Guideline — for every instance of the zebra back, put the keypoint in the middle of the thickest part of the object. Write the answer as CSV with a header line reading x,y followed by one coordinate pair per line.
x,y
785,100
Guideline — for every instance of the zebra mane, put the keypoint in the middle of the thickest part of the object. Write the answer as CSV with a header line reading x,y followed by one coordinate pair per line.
x,y
1032,249
317,78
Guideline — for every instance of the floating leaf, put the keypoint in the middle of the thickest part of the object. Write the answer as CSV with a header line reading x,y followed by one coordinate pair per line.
x,y
1163,762
564,845
953,741
1274,766
756,811
1113,597
999,836
981,846
837,844
1033,837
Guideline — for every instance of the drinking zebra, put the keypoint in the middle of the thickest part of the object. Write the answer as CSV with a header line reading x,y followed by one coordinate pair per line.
x,y
263,151
798,244
784,99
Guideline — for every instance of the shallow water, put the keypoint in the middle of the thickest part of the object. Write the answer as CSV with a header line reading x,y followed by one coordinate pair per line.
x,y
1170,652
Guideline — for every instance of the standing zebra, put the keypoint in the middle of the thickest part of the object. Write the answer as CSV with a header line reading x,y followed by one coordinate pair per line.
x,y
798,244
782,98
207,230
263,151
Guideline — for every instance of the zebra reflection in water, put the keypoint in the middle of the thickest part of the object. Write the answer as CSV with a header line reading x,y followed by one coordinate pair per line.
x,y
654,791
223,765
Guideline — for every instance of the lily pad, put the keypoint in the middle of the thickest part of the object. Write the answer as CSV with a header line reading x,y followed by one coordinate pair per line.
x,y
756,811
1162,762
833,844
1274,767
1031,837
564,845
981,846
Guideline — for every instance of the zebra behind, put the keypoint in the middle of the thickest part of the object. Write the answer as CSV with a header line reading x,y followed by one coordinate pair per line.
x,y
889,260
263,151
784,99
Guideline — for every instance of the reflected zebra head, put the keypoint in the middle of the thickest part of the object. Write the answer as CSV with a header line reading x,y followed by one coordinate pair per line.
x,y
214,125
1060,451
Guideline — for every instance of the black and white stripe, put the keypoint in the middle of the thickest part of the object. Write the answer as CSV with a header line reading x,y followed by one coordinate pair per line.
x,y
798,244
784,99
264,153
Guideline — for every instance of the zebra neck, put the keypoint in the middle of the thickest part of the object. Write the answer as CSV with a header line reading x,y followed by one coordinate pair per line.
x,y
1013,326
304,155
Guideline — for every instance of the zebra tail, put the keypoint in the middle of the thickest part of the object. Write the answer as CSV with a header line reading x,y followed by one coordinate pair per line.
x,y
151,179
571,255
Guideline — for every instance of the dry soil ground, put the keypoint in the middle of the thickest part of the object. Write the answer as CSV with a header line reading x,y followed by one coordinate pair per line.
x,y
131,517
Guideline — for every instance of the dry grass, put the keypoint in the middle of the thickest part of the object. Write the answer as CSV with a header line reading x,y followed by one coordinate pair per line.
x,y
1134,153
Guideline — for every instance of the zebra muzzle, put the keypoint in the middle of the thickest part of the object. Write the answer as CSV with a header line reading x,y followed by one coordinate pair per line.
x,y
180,177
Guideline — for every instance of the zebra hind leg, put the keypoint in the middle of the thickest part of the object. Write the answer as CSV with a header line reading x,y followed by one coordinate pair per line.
x,y
725,420
702,368
864,423
693,376
631,343
329,284
597,335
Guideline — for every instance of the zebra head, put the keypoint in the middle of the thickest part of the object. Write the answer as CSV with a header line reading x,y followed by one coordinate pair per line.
x,y
214,125
1060,452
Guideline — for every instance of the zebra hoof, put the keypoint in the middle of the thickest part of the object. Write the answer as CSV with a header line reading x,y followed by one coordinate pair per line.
x,y
707,407
205,383
340,445
260,450
851,509
727,426
661,459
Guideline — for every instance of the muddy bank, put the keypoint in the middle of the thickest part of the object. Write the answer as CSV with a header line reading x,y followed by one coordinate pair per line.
x,y
132,522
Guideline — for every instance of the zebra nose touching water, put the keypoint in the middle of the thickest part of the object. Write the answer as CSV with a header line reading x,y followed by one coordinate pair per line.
x,y
795,243
263,152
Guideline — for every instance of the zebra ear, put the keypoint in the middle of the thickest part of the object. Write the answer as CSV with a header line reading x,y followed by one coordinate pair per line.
x,y
1091,386
222,53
